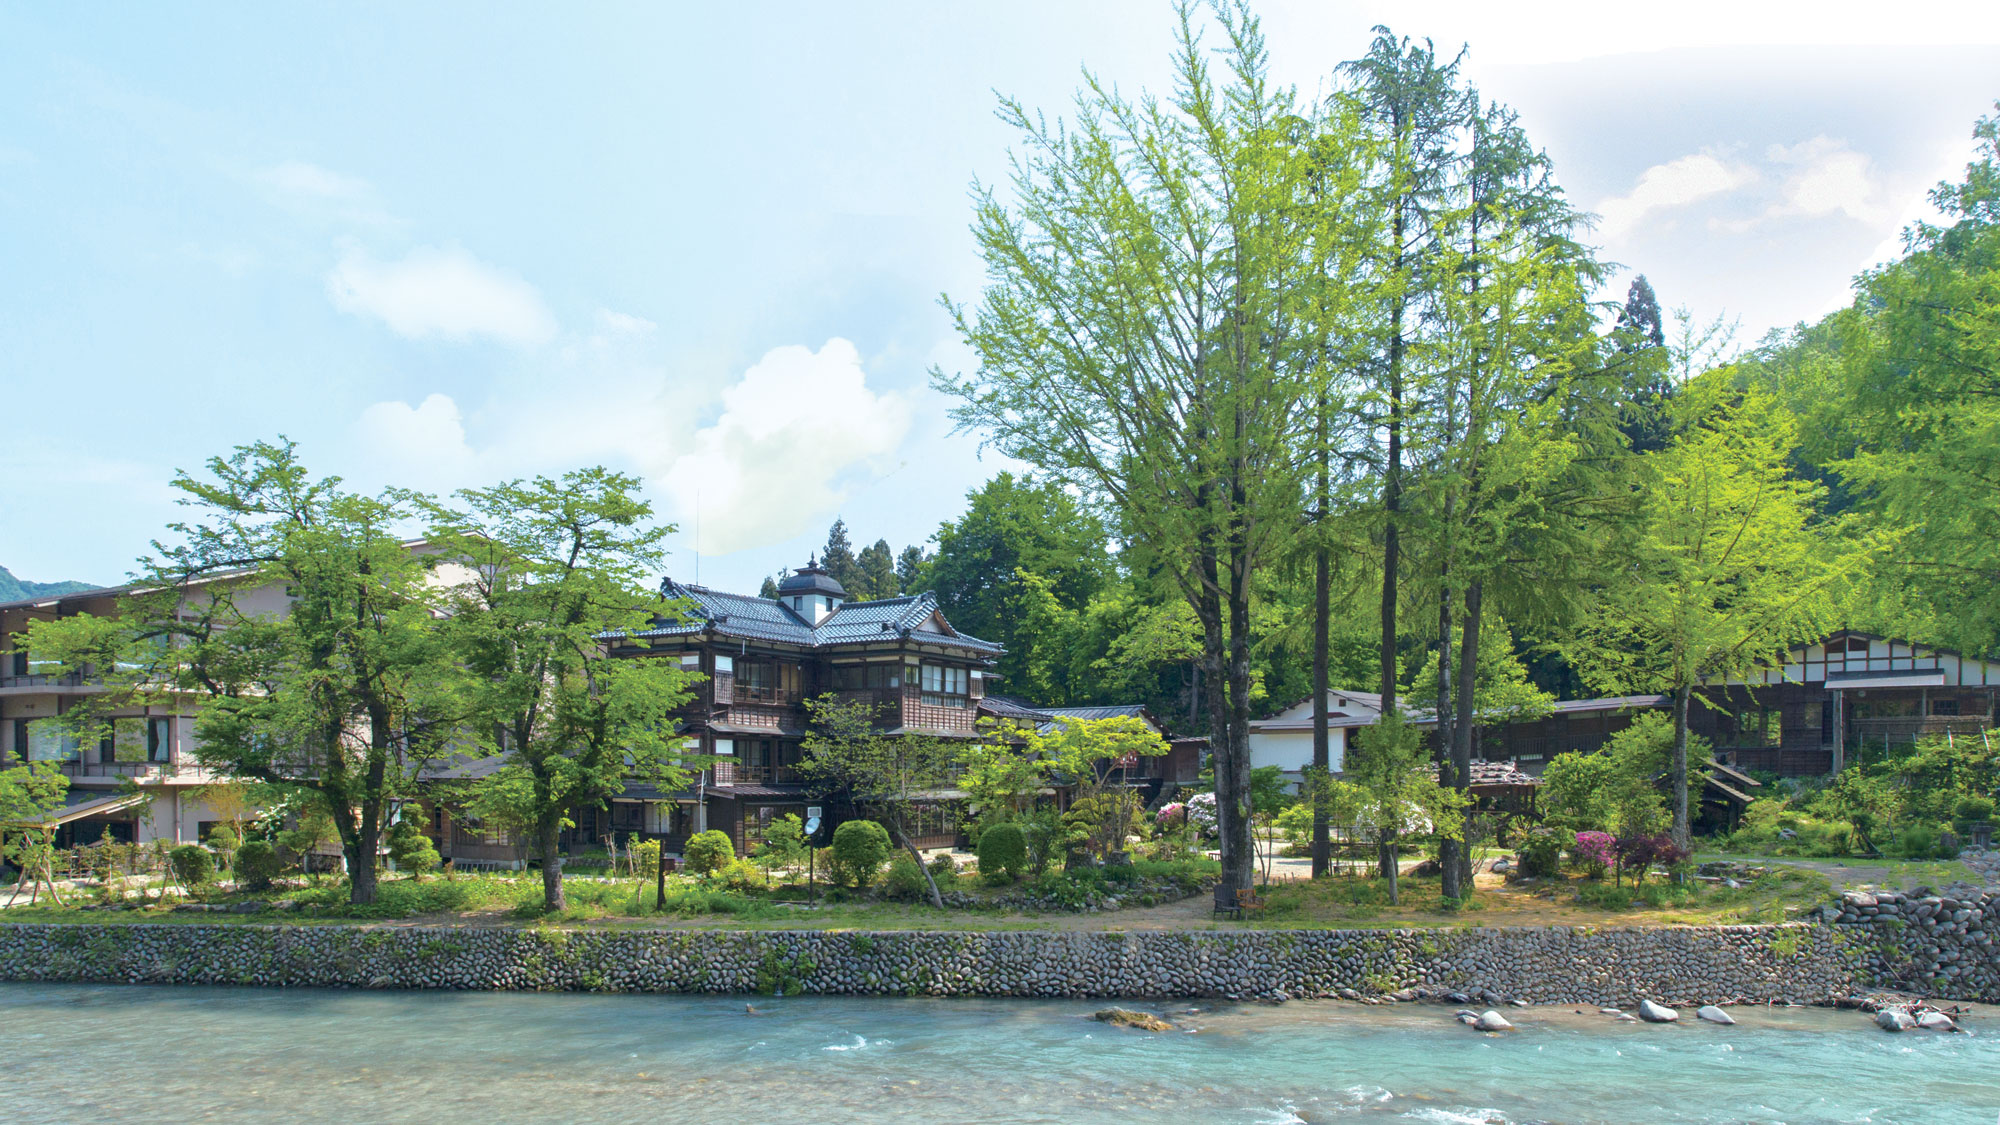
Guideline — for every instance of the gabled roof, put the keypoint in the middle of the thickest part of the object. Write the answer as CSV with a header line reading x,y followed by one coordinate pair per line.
x,y
852,623
1008,707
1135,710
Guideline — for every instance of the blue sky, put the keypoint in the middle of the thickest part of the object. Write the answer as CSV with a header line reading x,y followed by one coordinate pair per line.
x,y
444,244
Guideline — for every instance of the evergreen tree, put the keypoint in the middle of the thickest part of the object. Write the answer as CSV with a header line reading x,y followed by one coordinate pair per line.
x,y
838,556
875,573
769,589
1642,361
910,568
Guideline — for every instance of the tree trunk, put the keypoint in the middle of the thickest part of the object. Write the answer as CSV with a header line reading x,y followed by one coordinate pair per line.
x,y
548,840
910,846
1322,843
1466,725
1449,850
1682,832
360,872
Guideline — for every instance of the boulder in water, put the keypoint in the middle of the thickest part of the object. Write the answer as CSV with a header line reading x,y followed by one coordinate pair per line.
x,y
1492,1021
1893,1019
1657,1013
1936,1021
1126,1017
1713,1014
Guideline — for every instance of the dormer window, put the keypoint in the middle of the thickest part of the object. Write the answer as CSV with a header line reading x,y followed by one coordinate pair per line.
x,y
812,592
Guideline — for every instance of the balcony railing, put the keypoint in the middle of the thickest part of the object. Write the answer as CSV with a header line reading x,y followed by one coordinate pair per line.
x,y
46,680
738,773
74,768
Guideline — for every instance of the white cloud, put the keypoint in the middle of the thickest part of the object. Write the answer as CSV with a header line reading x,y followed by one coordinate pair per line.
x,y
624,323
422,445
1676,183
791,432
1830,177
444,293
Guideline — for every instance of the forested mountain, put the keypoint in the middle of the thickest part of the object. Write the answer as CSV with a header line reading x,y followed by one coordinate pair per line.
x,y
13,589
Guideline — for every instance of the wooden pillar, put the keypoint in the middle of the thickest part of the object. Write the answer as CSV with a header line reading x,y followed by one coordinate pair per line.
x,y
1839,730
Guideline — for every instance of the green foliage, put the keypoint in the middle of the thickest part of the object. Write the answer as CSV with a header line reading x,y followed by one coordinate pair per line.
x,y
412,851
905,879
646,859
708,852
742,875
1541,854
1003,853
1973,809
223,841
860,847
257,864
846,753
784,843
192,866
558,564
1617,790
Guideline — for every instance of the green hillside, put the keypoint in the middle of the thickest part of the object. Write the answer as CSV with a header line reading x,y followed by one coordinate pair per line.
x,y
12,589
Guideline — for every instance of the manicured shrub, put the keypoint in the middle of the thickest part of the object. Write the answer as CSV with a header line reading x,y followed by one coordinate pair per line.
x,y
860,847
257,864
709,852
1541,854
223,841
944,869
1003,853
1594,853
742,875
191,865
1974,809
411,850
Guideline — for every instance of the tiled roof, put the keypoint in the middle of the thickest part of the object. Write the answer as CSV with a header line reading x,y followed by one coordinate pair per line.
x,y
1093,713
762,619
1007,707
1498,773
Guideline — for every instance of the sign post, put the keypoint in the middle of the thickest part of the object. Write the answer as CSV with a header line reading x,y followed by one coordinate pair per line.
x,y
812,853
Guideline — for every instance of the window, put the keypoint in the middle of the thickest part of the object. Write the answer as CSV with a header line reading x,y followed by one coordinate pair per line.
x,y
128,740
757,676
725,665
942,680
159,740
690,662
856,677
49,742
1944,706
725,747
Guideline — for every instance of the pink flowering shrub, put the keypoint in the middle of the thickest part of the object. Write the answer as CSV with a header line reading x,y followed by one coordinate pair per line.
x,y
1201,813
1169,815
1594,853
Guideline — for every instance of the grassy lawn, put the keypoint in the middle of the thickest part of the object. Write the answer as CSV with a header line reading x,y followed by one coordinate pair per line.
x,y
1872,871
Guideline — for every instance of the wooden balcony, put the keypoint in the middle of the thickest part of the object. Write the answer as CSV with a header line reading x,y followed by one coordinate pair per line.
x,y
739,773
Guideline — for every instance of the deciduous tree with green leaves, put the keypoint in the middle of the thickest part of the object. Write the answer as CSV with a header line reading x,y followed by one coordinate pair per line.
x,y
306,627
1733,566
543,626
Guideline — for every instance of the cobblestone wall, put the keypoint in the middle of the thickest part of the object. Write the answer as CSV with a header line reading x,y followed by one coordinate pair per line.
x,y
1800,963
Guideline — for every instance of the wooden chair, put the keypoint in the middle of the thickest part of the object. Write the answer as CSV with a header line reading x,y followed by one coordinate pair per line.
x,y
1226,899
1247,900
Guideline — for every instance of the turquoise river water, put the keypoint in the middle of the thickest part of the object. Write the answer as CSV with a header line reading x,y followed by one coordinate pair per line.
x,y
116,1053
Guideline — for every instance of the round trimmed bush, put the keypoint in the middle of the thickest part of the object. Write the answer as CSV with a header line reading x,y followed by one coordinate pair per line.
x,y
708,852
905,879
411,849
860,847
191,864
256,865
1003,852
223,841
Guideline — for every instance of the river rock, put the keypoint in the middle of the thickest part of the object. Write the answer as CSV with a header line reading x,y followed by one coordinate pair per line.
x,y
1126,1017
1657,1013
1893,1019
1936,1021
1492,1021
1713,1014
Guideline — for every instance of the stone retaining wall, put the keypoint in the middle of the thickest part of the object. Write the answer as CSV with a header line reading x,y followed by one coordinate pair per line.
x,y
1941,945
1799,963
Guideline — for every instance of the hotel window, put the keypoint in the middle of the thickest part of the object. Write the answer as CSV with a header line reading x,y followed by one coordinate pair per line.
x,y
49,742
725,747
945,686
725,664
856,677
128,740
159,740
690,662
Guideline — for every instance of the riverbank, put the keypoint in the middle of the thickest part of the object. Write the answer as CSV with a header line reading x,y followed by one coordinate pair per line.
x,y
83,1052
1803,964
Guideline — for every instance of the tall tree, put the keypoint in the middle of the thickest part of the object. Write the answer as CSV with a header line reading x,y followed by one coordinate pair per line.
x,y
875,573
1417,110
1140,334
560,573
838,555
1016,525
910,568
1733,567
347,691
1921,352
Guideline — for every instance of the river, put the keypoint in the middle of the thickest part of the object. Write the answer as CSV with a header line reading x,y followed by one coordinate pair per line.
x,y
119,1053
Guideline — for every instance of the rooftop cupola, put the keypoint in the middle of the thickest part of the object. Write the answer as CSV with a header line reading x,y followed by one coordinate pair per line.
x,y
812,592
